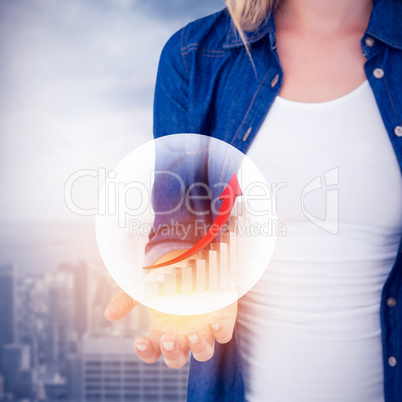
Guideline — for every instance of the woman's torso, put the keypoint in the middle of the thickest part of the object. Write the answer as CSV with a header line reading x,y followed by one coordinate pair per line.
x,y
310,329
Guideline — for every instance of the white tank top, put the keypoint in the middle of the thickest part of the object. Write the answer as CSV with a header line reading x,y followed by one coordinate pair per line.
x,y
310,329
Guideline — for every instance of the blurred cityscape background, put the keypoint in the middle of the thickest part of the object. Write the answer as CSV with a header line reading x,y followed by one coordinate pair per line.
x,y
77,80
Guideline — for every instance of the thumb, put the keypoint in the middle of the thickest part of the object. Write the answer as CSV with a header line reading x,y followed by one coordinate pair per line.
x,y
119,306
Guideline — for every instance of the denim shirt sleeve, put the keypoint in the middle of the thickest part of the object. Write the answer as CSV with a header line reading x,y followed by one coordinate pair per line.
x,y
171,90
171,117
221,376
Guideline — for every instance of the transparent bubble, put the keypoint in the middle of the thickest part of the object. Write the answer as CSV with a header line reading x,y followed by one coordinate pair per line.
x,y
186,192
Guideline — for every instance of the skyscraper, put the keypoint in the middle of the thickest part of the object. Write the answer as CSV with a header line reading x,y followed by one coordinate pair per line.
x,y
79,272
111,371
81,297
7,306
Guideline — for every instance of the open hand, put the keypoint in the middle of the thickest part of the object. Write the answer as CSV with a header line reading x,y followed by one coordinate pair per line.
x,y
174,336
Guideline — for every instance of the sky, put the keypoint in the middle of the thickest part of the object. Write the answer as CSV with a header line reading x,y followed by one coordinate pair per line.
x,y
77,80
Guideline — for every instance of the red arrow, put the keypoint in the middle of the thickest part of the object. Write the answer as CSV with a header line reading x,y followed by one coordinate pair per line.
x,y
229,194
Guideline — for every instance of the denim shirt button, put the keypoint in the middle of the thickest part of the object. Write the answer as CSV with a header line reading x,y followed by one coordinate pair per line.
x,y
247,133
398,131
392,361
378,73
391,302
369,41
275,80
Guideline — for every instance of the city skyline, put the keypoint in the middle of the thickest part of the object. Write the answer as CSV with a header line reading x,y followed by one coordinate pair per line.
x,y
59,346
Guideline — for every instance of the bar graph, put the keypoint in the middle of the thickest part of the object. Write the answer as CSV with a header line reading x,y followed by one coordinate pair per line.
x,y
213,268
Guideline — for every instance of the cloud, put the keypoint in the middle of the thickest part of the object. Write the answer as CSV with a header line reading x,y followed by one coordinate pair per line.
x,y
180,9
77,81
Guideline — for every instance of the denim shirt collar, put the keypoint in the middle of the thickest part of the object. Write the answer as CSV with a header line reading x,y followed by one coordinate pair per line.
x,y
385,25
386,22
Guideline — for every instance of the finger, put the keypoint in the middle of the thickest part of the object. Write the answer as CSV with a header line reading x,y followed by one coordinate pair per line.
x,y
174,353
222,329
201,347
119,306
147,350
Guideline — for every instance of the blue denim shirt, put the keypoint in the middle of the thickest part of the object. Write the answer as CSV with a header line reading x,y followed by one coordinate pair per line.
x,y
206,84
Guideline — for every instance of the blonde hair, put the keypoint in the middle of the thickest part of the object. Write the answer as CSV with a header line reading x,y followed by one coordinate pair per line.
x,y
247,15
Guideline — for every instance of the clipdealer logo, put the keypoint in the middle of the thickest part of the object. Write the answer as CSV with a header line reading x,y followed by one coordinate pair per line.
x,y
114,199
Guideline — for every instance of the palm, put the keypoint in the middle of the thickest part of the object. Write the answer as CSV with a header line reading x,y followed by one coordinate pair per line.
x,y
179,325
174,335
